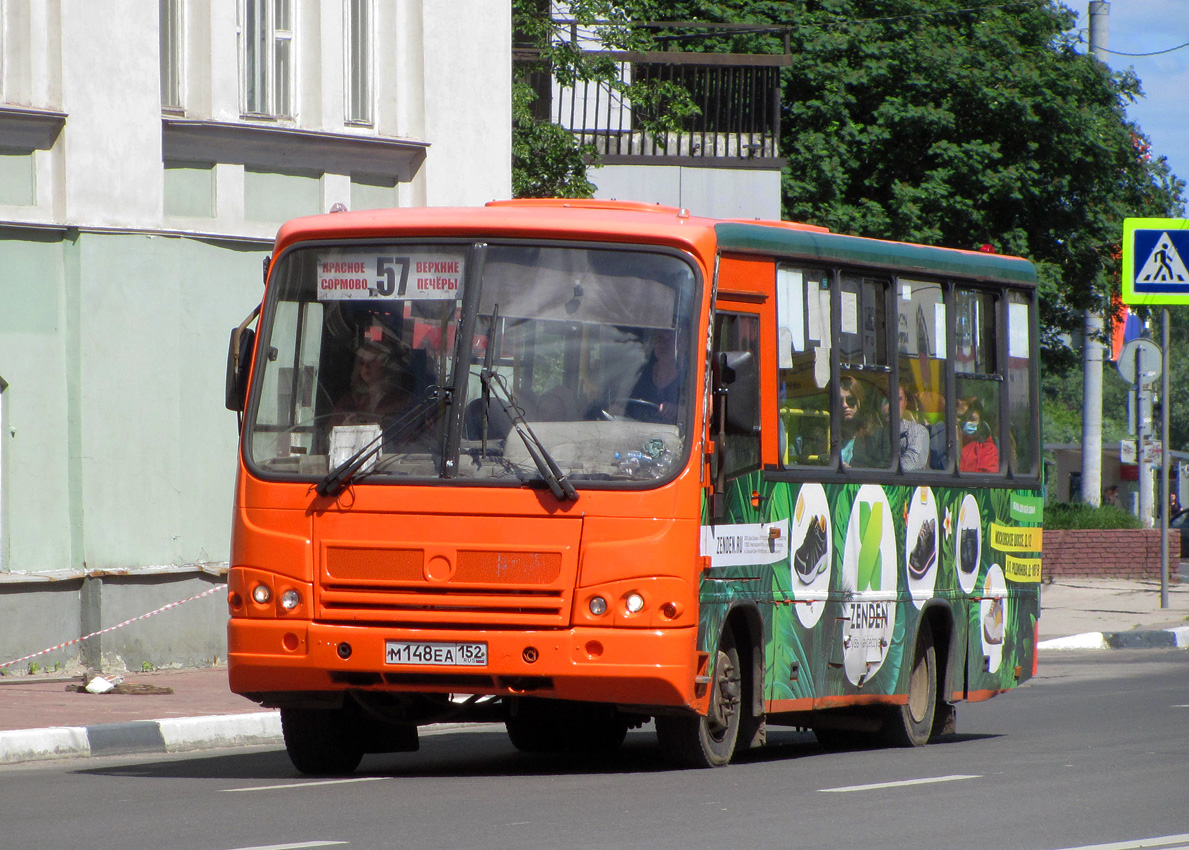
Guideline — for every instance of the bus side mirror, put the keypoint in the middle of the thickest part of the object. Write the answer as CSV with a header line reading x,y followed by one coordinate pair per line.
x,y
239,358
738,384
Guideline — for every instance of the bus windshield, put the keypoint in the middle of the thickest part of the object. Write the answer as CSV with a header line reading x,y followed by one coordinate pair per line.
x,y
441,360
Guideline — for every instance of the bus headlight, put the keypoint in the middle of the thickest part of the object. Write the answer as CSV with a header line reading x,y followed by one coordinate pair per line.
x,y
290,599
262,593
597,606
635,603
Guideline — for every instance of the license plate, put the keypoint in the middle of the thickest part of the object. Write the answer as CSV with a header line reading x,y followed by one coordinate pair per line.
x,y
442,653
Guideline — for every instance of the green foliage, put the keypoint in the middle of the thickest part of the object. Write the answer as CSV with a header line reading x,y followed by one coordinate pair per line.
x,y
1061,405
547,160
1066,515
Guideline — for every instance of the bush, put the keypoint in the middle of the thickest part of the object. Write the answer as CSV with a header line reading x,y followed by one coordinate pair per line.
x,y
1068,515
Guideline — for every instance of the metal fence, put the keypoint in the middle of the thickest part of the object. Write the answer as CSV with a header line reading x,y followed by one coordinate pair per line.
x,y
738,109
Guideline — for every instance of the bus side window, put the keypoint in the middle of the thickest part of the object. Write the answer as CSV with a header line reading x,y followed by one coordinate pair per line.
x,y
978,383
803,368
1022,419
863,355
921,342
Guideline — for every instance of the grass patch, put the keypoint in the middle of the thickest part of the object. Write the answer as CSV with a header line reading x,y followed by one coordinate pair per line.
x,y
1076,515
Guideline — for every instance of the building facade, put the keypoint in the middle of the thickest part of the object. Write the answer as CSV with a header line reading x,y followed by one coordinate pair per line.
x,y
148,154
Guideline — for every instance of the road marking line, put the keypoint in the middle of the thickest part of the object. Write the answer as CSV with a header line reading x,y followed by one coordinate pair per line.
x,y
304,785
294,846
1164,842
902,783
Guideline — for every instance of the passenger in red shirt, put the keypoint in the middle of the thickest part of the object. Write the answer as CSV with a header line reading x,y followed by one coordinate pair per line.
x,y
979,451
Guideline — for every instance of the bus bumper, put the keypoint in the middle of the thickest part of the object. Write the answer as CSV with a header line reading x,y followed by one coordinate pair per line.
x,y
640,667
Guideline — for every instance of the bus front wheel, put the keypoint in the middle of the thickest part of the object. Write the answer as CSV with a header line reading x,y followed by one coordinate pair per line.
x,y
708,741
320,742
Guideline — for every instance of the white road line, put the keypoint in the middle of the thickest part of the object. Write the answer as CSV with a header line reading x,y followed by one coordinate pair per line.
x,y
289,785
1167,842
294,846
902,783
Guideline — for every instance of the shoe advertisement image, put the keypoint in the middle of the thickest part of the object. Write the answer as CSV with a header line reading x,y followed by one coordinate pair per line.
x,y
921,542
811,542
968,544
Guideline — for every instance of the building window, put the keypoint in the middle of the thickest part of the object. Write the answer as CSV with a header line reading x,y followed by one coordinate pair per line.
x,y
171,53
358,26
266,35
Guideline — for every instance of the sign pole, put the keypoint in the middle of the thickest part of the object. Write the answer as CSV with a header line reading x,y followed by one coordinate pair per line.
x,y
1155,253
1165,453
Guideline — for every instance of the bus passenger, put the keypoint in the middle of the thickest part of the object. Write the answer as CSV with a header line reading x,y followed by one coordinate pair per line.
x,y
914,437
979,451
864,433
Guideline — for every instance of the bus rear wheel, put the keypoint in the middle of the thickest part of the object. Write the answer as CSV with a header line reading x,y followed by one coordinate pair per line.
x,y
708,741
911,724
321,742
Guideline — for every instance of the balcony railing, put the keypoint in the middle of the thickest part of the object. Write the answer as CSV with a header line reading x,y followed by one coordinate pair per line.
x,y
737,123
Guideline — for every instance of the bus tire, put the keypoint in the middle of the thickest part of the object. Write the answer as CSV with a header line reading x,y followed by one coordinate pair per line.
x,y
708,740
911,724
320,742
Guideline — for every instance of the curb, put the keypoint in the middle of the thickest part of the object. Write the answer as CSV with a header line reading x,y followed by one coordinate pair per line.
x,y
1137,639
170,735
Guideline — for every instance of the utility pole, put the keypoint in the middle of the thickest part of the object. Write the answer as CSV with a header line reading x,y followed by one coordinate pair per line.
x,y
1092,327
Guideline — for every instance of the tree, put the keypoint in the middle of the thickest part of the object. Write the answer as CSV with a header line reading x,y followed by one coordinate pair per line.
x,y
547,161
960,124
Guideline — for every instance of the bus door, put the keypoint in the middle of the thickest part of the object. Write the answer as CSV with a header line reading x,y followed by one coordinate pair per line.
x,y
736,539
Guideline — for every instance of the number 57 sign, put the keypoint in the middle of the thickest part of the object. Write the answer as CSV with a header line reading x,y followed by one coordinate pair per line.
x,y
1155,253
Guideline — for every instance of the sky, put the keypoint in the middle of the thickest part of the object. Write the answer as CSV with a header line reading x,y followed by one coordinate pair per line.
x,y
1148,26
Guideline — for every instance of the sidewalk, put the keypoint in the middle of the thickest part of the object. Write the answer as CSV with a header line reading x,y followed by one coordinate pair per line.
x,y
1112,614
40,719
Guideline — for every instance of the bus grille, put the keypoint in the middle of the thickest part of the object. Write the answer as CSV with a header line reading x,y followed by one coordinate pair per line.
x,y
366,584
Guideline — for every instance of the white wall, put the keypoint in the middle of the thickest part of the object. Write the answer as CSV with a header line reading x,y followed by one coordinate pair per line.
x,y
468,101
713,192
113,132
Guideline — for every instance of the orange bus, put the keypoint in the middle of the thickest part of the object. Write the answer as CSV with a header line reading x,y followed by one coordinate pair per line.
x,y
578,466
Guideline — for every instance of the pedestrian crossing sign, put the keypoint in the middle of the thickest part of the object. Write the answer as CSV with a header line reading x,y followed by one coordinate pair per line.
x,y
1156,261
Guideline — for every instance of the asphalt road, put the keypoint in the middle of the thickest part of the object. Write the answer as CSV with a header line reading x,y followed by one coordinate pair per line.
x,y
1093,751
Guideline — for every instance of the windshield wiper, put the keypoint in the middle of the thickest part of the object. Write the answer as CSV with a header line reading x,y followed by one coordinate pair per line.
x,y
558,483
342,475
485,376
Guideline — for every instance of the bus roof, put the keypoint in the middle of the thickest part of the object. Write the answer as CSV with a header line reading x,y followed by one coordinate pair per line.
x,y
604,221
638,222
822,246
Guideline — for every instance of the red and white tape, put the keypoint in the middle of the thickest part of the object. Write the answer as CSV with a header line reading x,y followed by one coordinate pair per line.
x,y
214,589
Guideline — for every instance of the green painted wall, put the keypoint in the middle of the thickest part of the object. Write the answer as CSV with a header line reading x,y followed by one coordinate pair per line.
x,y
36,499
119,453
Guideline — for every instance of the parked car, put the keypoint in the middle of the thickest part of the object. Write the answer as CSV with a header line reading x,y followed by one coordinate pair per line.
x,y
1180,524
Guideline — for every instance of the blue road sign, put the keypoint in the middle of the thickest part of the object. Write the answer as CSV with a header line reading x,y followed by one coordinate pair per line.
x,y
1155,261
